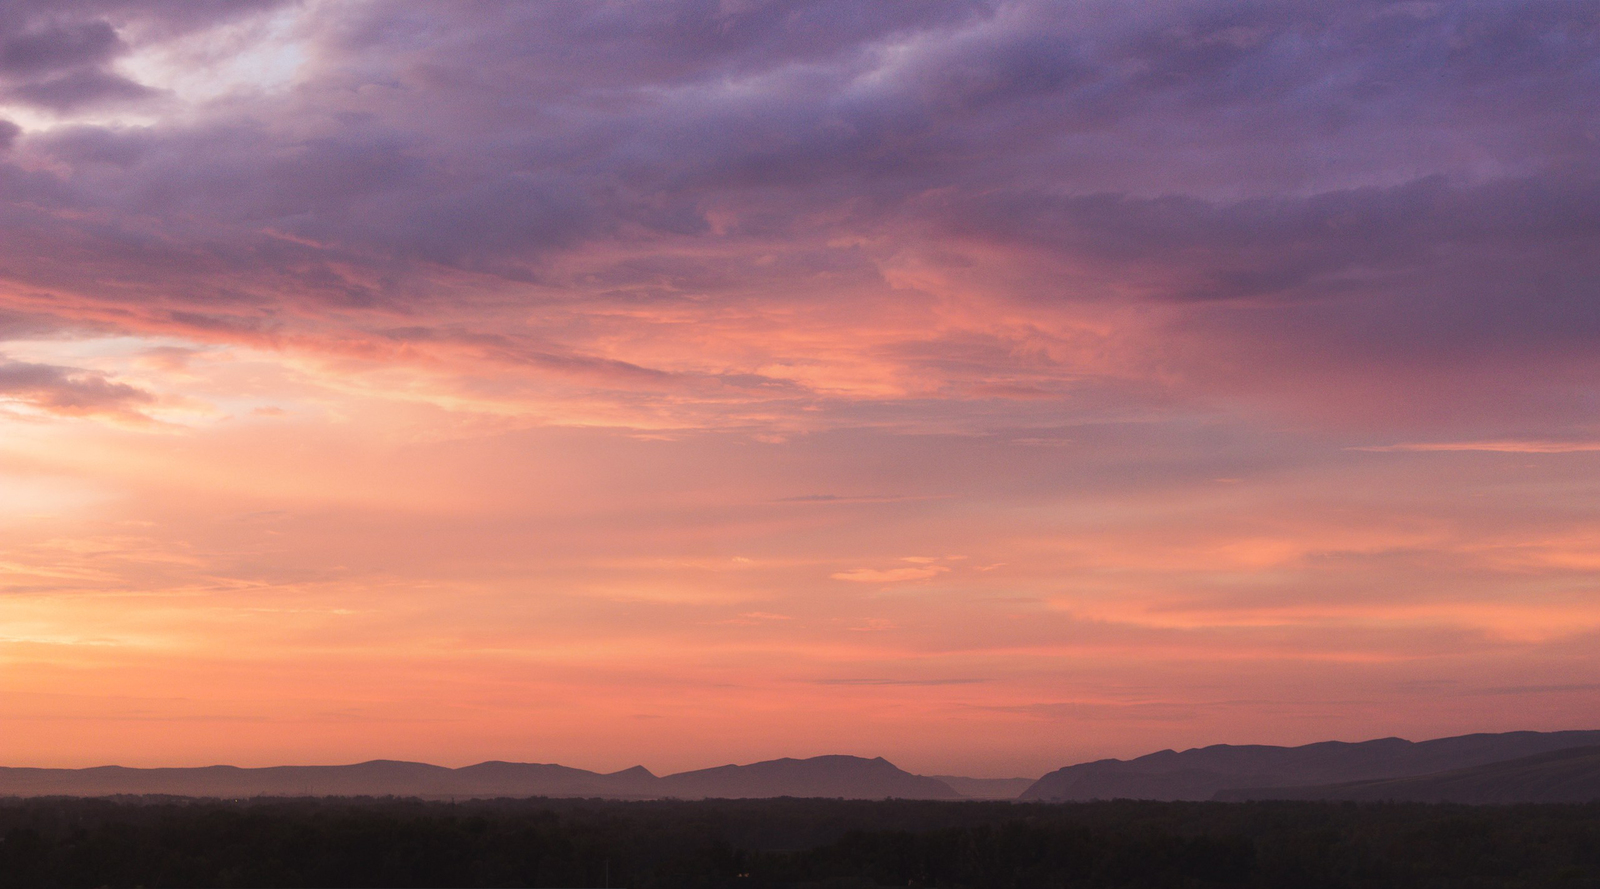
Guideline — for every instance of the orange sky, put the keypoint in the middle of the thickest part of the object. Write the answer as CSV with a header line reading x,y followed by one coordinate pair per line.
x,y
979,440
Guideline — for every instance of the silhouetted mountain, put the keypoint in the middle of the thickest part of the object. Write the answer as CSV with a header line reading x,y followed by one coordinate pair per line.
x,y
417,779
377,778
986,788
849,777
1199,773
488,779
1562,776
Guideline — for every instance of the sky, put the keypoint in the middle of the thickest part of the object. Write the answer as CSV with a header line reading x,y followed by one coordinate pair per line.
x,y
989,386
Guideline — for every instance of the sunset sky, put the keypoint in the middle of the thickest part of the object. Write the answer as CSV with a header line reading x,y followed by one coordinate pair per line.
x,y
989,386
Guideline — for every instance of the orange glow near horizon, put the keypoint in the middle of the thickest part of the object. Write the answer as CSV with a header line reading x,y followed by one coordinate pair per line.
x,y
362,571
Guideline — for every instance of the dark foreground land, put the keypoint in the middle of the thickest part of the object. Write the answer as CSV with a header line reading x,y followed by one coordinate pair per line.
x,y
792,843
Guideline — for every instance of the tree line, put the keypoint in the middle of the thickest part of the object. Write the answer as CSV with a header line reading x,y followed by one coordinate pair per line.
x,y
754,844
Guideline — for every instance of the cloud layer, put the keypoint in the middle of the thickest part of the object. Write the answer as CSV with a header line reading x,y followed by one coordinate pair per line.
x,y
1128,365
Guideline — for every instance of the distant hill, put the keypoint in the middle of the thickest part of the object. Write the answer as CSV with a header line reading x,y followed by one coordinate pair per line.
x,y
1563,776
1198,774
823,776
376,778
849,777
986,788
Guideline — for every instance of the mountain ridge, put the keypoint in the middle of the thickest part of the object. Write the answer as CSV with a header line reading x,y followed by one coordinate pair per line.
x,y
1325,769
1200,773
823,776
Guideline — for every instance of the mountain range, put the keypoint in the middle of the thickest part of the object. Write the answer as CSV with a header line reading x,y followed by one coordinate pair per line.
x,y
851,777
1508,767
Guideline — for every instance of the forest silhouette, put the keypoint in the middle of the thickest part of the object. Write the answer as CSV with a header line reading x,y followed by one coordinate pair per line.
x,y
46,843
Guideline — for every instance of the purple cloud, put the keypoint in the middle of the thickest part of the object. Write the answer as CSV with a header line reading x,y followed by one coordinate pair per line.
x,y
1363,182
67,390
80,89
55,47
59,57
